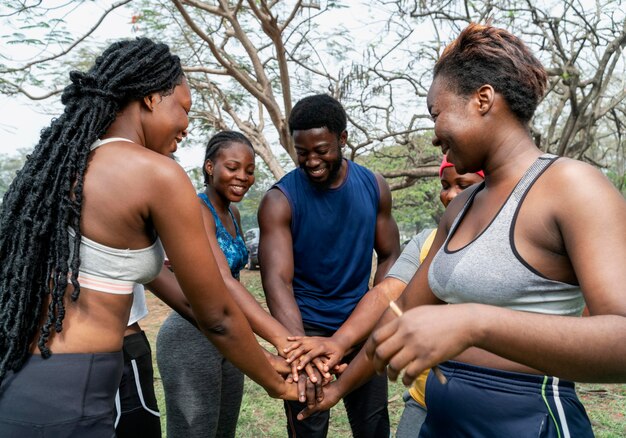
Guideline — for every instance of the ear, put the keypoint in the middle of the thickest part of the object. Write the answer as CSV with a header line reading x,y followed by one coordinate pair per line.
x,y
485,96
149,101
343,138
208,166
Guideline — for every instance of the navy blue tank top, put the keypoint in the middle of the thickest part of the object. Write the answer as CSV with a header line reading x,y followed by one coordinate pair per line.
x,y
333,238
234,248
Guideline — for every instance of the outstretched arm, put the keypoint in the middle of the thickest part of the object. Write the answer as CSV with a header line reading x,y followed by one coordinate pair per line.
x,y
261,322
174,211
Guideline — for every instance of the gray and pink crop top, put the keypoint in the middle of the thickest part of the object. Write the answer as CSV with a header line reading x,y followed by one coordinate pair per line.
x,y
489,270
115,270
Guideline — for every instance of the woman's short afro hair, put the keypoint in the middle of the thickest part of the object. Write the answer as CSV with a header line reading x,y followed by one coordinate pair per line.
x,y
483,54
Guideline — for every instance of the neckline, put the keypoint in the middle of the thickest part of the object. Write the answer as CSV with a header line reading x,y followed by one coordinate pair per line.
x,y
98,143
470,201
218,221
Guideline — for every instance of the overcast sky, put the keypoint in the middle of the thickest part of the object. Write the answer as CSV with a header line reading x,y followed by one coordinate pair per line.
x,y
22,119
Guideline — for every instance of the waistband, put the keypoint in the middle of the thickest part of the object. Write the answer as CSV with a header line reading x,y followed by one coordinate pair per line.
x,y
61,388
136,345
531,383
103,284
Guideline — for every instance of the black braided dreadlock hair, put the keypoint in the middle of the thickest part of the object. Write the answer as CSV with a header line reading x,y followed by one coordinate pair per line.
x,y
45,198
220,141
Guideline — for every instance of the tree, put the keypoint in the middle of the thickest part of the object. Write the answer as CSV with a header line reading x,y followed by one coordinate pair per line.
x,y
581,44
248,61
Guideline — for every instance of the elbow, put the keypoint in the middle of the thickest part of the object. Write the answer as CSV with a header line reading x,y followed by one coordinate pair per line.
x,y
215,323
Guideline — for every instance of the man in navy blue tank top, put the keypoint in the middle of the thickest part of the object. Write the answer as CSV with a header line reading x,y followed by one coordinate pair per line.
x,y
319,225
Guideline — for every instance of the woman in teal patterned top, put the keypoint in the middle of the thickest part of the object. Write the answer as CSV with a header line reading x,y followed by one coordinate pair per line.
x,y
233,247
203,391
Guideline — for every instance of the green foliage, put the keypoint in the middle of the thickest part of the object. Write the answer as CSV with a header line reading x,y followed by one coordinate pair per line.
x,y
249,206
418,206
619,180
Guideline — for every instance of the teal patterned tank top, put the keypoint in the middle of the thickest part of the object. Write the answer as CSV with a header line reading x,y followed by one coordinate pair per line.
x,y
234,248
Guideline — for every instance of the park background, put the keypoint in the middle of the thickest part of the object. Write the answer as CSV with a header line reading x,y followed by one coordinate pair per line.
x,y
248,62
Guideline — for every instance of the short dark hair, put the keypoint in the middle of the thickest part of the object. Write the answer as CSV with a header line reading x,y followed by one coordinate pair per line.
x,y
220,141
38,208
484,54
318,111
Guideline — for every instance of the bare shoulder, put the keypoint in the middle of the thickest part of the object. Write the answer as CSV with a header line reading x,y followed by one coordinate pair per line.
x,y
574,184
274,209
383,185
273,199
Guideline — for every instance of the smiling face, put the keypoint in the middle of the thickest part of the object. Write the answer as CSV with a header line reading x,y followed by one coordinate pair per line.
x,y
452,184
167,119
232,171
457,124
319,155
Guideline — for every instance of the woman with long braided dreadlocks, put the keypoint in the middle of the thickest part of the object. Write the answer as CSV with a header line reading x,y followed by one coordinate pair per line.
x,y
82,222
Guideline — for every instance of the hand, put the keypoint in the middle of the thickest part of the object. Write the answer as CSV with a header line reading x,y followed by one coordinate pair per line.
x,y
421,338
278,363
287,391
305,349
332,395
310,390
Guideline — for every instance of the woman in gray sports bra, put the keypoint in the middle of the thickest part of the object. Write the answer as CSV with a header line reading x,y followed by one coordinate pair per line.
x,y
80,225
516,258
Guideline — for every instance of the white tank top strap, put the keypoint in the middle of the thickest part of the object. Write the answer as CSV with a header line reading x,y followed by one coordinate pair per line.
x,y
99,142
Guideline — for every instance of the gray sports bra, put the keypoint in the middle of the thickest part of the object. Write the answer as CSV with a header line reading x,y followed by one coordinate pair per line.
x,y
489,269
114,270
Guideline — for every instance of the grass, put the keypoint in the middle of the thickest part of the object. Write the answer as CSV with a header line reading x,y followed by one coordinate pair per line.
x,y
262,416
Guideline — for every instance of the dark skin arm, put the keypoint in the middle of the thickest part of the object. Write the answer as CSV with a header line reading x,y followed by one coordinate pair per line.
x,y
417,292
387,238
260,321
174,211
276,260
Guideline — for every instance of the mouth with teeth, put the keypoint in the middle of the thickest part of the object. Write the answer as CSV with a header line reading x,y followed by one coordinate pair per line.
x,y
317,173
238,190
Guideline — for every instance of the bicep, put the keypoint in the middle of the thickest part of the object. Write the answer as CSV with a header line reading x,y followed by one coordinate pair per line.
x,y
387,239
275,241
177,218
592,221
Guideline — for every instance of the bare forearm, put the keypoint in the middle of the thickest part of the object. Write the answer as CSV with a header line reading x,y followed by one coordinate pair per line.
x,y
589,349
237,343
282,305
383,266
261,322
365,316
359,372
166,288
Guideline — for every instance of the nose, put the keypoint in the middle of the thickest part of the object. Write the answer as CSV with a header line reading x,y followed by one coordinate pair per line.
x,y
446,196
436,141
242,175
313,161
185,132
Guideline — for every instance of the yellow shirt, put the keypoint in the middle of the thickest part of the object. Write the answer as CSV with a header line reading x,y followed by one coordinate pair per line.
x,y
418,390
